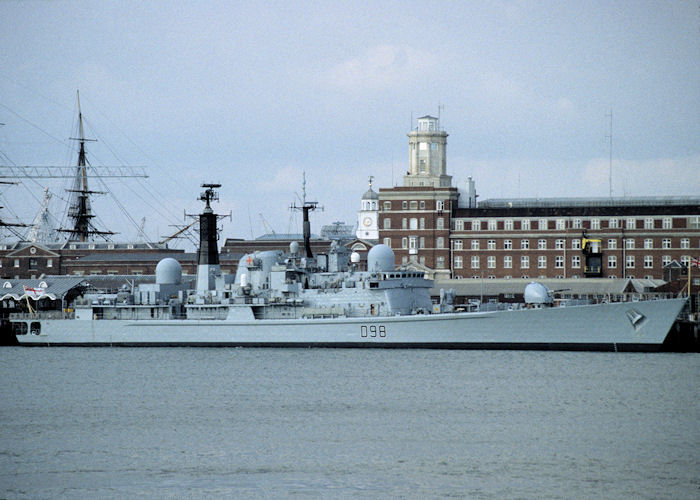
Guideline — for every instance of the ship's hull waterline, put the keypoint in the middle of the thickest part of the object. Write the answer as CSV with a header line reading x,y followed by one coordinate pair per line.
x,y
626,326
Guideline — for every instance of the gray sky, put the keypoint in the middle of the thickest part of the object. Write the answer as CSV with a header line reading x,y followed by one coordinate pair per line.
x,y
250,94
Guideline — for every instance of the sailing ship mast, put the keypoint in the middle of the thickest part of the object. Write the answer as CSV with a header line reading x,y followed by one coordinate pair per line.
x,y
80,208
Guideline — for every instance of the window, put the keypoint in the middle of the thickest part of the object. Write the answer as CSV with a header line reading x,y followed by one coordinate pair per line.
x,y
16,262
648,243
413,205
665,260
404,242
491,262
493,224
387,242
685,243
685,260
577,224
458,262
475,262
612,244
524,262
561,224
421,242
576,244
387,205
440,262
440,243
541,244
630,262
475,244
413,223
631,223
412,244
694,222
387,223
613,223
524,244
542,261
595,223
459,225
508,224
559,244
649,223
612,261
440,205
648,262
421,259
559,261
525,224
576,261
458,244
666,223
491,245
440,223
49,262
404,205
666,243
629,243
476,225
507,262
422,204
507,244
542,224
422,222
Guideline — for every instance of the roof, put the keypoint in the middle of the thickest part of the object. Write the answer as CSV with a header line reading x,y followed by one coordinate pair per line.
x,y
134,257
55,287
370,194
645,201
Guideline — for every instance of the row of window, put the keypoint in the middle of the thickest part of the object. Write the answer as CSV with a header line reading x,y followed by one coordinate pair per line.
x,y
576,223
33,263
630,261
559,244
414,223
414,205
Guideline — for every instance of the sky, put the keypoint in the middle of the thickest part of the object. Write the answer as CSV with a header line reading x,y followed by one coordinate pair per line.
x,y
253,95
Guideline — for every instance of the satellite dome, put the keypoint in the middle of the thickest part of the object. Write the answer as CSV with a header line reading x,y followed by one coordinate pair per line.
x,y
168,272
537,293
294,248
380,258
354,257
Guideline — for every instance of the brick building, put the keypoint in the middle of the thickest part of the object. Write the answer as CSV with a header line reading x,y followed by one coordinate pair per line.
x,y
434,226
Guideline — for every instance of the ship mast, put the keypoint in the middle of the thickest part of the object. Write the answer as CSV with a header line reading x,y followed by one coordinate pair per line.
x,y
80,208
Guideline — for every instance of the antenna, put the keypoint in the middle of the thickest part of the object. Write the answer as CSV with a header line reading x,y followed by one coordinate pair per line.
x,y
610,137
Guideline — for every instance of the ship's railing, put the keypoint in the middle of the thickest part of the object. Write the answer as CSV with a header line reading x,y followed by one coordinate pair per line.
x,y
43,315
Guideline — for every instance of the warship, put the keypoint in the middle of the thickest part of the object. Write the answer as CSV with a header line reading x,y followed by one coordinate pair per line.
x,y
298,299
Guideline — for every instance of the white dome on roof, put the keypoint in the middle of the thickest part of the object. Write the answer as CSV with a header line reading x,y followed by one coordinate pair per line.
x,y
168,272
380,259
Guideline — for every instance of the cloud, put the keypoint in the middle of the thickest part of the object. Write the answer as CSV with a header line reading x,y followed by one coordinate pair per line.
x,y
380,67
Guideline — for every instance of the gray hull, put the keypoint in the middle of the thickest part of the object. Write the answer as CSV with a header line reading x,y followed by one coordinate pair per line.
x,y
630,326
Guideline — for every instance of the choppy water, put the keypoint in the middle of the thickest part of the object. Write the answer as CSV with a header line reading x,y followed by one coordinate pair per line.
x,y
117,422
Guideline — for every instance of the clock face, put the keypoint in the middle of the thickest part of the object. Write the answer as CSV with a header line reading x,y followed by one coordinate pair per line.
x,y
367,221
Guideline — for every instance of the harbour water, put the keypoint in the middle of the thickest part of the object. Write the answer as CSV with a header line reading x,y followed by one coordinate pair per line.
x,y
261,423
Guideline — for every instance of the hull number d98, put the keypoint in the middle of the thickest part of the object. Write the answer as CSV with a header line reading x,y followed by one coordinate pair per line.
x,y
373,331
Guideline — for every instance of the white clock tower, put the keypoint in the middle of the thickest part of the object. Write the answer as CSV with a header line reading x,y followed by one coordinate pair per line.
x,y
367,226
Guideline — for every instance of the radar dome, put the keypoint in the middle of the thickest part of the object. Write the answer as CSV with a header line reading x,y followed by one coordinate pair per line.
x,y
354,257
294,248
168,272
380,258
537,293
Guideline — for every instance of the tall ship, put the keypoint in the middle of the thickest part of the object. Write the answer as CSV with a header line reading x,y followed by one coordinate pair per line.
x,y
298,299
